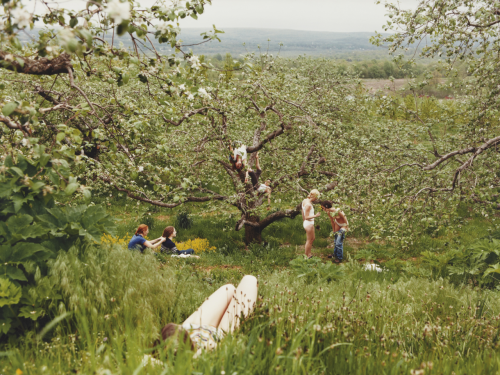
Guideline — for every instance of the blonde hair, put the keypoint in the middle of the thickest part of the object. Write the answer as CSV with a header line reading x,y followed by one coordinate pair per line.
x,y
314,193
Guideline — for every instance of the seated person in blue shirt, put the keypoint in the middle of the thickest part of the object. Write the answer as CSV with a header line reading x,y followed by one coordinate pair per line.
x,y
169,246
138,242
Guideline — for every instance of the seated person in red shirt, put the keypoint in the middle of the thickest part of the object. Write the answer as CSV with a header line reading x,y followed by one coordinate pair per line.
x,y
169,246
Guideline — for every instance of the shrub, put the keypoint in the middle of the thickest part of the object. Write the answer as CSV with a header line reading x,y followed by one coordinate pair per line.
x,y
184,220
34,229
149,221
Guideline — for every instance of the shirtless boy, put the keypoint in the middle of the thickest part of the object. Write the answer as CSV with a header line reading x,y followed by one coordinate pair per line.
x,y
340,226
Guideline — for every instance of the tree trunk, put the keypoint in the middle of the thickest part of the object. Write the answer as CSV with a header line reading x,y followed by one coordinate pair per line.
x,y
253,234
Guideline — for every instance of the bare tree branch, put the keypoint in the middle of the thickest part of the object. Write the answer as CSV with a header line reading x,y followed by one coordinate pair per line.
x,y
11,124
202,111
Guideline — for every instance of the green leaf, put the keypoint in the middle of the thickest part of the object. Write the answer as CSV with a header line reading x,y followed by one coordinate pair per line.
x,y
60,136
17,223
19,172
20,252
87,194
71,188
5,325
122,28
93,215
11,272
73,22
10,294
31,312
9,108
193,15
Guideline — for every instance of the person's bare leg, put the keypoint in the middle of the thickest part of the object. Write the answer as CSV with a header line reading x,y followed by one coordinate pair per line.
x,y
211,311
244,301
310,239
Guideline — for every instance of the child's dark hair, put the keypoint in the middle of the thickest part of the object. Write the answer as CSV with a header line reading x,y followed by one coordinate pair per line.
x,y
326,204
172,329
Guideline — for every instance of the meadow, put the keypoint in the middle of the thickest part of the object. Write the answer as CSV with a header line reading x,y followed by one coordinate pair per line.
x,y
312,317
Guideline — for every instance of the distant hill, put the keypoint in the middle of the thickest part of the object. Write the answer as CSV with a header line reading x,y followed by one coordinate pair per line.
x,y
295,42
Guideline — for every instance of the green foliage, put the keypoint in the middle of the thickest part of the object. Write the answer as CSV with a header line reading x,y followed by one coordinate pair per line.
x,y
35,228
475,263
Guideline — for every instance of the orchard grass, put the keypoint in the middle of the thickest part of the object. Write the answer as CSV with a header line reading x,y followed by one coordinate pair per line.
x,y
365,322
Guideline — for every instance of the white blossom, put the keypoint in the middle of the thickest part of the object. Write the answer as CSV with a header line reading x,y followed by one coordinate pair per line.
x,y
190,97
118,11
182,87
203,93
195,62
162,27
141,168
21,17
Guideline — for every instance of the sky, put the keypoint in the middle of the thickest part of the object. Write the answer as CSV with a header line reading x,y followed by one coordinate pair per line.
x,y
314,15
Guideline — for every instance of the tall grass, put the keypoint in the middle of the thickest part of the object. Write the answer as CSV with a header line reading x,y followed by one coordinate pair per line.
x,y
366,322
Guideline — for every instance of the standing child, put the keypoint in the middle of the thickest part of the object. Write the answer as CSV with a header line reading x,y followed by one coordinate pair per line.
x,y
308,220
340,226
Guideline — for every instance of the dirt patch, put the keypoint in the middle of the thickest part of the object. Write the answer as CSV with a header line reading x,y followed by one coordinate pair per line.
x,y
386,85
223,267
374,85
163,217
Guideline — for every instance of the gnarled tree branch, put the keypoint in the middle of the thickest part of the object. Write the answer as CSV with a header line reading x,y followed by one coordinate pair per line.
x,y
40,67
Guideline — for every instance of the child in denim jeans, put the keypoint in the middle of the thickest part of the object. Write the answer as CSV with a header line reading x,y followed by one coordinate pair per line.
x,y
340,226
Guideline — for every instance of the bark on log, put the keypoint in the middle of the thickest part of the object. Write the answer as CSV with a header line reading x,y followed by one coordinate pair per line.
x,y
40,67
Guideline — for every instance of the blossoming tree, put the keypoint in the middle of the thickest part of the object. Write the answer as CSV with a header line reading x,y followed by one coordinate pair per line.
x,y
154,126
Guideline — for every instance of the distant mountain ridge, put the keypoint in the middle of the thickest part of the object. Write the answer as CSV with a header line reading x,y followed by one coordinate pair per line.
x,y
295,42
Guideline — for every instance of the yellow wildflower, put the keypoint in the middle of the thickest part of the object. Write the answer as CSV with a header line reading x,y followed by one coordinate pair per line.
x,y
199,245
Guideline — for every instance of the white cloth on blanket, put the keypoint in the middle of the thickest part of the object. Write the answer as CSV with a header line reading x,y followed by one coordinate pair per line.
x,y
181,256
